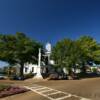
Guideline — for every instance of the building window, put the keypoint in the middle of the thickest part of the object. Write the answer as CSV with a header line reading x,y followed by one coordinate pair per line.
x,y
32,69
26,69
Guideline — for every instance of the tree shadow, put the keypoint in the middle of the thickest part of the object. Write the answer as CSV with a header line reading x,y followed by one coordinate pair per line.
x,y
88,75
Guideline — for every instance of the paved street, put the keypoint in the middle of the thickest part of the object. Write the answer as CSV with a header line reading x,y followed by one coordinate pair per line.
x,y
88,88
53,94
58,89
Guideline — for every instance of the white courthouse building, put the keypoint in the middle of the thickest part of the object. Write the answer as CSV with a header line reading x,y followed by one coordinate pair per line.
x,y
36,68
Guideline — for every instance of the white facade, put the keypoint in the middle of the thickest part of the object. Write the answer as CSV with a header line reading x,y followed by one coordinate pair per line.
x,y
36,68
30,68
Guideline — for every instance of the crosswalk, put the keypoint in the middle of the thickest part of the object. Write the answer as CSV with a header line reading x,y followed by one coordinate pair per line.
x,y
53,94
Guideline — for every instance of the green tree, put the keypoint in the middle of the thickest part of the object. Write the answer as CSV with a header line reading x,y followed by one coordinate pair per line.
x,y
67,53
18,49
90,49
96,54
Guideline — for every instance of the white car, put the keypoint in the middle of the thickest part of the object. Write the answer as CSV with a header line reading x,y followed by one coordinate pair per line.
x,y
2,76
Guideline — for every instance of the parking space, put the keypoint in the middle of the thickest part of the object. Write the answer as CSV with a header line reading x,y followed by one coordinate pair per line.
x,y
53,94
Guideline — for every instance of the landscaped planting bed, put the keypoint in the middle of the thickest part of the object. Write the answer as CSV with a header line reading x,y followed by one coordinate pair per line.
x,y
6,90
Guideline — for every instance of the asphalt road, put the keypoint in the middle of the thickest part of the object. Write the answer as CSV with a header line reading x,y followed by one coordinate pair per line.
x,y
88,88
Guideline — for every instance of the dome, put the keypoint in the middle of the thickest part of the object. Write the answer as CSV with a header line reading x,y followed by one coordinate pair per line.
x,y
48,47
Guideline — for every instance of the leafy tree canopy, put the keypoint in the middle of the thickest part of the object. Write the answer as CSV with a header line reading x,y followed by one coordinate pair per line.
x,y
19,49
68,53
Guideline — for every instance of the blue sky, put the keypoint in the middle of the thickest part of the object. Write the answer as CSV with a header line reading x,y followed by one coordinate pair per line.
x,y
51,20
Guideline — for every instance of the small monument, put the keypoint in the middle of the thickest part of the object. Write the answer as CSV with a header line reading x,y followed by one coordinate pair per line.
x,y
38,75
47,53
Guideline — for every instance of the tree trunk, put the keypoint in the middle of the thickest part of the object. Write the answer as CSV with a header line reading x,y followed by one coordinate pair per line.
x,y
70,74
83,68
21,69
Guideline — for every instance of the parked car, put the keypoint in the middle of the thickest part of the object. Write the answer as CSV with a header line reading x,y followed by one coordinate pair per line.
x,y
2,76
57,76
53,76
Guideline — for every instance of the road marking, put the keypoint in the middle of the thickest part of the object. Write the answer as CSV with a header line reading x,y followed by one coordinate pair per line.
x,y
36,87
46,90
42,88
54,94
83,99
63,97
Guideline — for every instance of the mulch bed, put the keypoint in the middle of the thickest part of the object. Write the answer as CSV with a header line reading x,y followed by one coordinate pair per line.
x,y
11,90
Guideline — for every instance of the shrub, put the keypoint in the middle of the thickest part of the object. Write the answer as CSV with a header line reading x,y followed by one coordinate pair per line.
x,y
53,76
94,70
30,75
